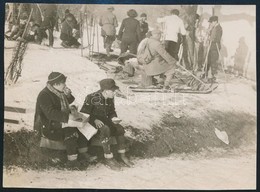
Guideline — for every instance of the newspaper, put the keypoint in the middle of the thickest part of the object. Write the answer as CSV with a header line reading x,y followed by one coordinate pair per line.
x,y
83,125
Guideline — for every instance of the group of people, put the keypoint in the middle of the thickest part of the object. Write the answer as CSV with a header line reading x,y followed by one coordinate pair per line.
x,y
53,110
131,32
44,18
134,36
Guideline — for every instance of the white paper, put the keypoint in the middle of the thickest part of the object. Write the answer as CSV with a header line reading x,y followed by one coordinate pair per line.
x,y
83,126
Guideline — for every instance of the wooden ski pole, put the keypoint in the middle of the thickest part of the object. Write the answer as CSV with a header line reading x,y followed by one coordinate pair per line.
x,y
81,33
206,60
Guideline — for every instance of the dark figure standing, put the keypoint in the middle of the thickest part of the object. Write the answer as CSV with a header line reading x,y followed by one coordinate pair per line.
x,y
49,20
143,25
130,33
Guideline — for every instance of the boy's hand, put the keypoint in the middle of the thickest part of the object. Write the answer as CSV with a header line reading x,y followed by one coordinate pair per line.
x,y
98,123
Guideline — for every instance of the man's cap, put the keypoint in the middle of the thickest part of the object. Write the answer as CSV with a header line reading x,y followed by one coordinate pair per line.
x,y
67,11
56,77
213,18
143,15
108,84
111,8
156,31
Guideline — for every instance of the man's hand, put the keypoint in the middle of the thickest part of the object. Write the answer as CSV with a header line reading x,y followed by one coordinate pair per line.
x,y
98,123
67,91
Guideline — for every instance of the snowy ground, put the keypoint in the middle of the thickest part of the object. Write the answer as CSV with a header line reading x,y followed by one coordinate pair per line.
x,y
226,171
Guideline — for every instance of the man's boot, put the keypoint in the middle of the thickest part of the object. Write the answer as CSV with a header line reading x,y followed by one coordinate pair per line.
x,y
110,162
89,158
125,160
73,163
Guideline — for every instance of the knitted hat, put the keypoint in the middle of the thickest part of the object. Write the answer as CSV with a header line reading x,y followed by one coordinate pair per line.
x,y
132,13
56,77
143,15
108,84
213,18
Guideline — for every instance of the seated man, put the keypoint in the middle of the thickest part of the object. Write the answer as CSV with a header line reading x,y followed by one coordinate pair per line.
x,y
19,28
67,35
157,61
52,109
100,106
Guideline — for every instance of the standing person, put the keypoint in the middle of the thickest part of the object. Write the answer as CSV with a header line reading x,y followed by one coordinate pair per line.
x,y
215,36
67,35
130,33
160,62
143,25
101,108
240,57
200,35
173,25
69,14
108,23
52,110
49,20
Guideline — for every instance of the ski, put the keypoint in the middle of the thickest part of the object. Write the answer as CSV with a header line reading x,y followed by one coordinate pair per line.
x,y
152,90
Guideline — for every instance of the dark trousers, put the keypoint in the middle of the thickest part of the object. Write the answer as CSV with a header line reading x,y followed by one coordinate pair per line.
x,y
172,48
212,62
69,40
74,140
47,24
131,45
110,129
108,41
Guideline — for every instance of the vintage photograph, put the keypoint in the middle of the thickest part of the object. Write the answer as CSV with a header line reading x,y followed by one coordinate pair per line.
x,y
129,96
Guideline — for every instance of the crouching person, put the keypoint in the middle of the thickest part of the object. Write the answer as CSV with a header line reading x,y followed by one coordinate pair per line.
x,y
52,110
156,60
100,106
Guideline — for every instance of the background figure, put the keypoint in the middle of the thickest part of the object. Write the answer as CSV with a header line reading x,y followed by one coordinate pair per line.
x,y
143,25
200,35
18,29
240,57
215,46
49,21
130,33
68,31
12,16
108,23
173,25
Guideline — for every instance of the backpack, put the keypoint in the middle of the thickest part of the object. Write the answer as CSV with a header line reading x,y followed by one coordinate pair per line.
x,y
144,55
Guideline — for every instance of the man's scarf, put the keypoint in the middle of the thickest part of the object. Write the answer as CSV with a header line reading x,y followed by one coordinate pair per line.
x,y
63,99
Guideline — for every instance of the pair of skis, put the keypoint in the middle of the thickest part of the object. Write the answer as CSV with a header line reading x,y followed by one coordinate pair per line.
x,y
176,90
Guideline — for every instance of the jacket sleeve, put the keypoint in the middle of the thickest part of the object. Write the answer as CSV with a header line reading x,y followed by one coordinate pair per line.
x,y
165,55
70,98
216,34
115,22
138,32
87,106
120,33
112,111
49,111
146,28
